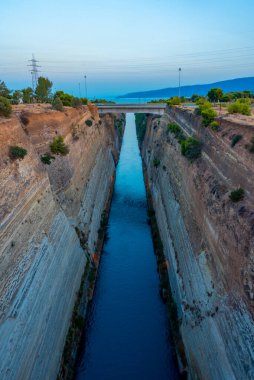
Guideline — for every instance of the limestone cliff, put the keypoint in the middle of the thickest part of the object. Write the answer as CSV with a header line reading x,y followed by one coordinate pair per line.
x,y
41,208
208,240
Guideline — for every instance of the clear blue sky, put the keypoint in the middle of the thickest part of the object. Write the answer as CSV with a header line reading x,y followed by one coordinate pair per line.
x,y
125,46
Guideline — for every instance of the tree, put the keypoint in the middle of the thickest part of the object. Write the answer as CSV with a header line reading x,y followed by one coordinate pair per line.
x,y
27,95
4,91
215,95
5,107
194,98
66,99
43,89
17,96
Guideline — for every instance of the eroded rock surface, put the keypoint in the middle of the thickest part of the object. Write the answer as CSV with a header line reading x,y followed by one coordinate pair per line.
x,y
41,209
208,240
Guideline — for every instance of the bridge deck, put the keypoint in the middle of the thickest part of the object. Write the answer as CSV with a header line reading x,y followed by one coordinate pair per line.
x,y
132,108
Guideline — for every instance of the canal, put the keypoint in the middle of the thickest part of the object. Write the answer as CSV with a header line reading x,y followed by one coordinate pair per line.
x,y
127,334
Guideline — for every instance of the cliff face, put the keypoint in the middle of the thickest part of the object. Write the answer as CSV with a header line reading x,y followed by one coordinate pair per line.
x,y
208,240
41,208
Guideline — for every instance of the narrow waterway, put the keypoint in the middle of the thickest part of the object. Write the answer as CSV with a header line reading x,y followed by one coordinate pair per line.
x,y
127,337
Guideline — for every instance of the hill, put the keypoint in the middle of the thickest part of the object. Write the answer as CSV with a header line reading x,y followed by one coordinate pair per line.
x,y
239,84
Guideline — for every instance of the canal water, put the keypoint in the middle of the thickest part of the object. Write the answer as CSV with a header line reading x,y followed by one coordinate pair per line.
x,y
127,335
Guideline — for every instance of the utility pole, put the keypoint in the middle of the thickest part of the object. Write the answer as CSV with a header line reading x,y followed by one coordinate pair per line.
x,y
34,71
85,85
179,89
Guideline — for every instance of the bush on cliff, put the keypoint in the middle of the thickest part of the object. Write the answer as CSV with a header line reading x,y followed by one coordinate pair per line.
x,y
191,148
59,147
177,131
241,106
17,152
57,104
214,125
89,122
156,162
235,140
250,147
237,195
47,158
5,107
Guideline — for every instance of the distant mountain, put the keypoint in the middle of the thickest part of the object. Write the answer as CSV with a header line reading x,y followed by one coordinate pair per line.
x,y
239,84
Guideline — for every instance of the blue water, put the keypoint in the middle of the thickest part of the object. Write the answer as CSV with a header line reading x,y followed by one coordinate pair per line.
x,y
127,336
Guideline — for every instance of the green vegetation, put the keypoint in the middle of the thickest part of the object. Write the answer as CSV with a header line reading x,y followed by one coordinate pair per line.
x,y
235,140
57,104
156,162
102,101
47,158
89,122
237,195
215,95
17,97
214,125
59,147
206,111
65,98
250,147
191,148
76,102
27,95
5,107
177,131
241,106
43,90
175,101
17,152
141,121
4,91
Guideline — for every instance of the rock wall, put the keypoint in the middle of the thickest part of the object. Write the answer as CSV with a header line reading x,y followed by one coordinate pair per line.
x,y
41,208
208,240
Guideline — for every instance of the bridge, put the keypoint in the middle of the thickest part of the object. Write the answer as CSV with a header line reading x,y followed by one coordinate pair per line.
x,y
152,108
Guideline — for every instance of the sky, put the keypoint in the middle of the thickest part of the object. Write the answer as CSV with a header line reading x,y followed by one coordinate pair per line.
x,y
125,46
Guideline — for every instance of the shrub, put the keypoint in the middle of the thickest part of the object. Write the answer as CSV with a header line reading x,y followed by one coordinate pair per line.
x,y
59,147
177,131
240,107
47,158
191,148
57,104
214,125
237,195
251,146
89,122
156,162
175,101
5,107
76,102
208,115
235,140
17,152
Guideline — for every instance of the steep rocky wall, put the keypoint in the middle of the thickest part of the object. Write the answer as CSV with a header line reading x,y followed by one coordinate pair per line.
x,y
41,208
208,240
